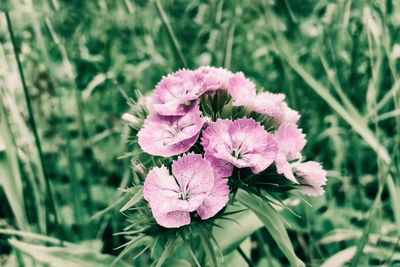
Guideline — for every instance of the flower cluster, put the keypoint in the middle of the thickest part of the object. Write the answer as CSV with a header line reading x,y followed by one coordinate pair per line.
x,y
217,124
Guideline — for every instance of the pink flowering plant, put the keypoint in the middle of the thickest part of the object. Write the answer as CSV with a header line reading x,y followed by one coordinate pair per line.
x,y
207,146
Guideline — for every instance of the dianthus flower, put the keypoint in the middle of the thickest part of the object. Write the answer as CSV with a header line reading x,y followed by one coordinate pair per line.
x,y
177,93
241,143
170,135
191,187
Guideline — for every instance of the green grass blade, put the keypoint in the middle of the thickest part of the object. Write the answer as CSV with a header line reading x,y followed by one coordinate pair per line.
x,y
272,221
65,256
10,173
135,199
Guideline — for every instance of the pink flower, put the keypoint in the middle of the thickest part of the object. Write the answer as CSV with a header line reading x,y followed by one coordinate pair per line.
x,y
177,93
291,142
189,188
241,143
170,135
215,78
243,92
311,177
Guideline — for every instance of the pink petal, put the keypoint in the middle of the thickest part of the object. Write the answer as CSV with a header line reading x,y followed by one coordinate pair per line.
x,y
169,135
284,167
173,219
194,173
242,90
288,115
215,78
222,168
177,93
312,177
268,104
216,133
291,141
216,200
159,185
242,143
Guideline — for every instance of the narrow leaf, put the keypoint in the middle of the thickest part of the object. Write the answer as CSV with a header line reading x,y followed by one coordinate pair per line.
x,y
272,222
135,199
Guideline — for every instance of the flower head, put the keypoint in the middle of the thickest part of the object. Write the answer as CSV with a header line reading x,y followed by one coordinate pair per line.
x,y
178,93
311,177
172,197
170,135
241,143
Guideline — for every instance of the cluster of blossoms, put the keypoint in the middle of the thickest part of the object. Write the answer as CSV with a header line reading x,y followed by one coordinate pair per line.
x,y
249,130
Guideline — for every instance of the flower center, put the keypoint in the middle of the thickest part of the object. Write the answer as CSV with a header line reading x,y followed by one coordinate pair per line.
x,y
236,153
183,195
188,103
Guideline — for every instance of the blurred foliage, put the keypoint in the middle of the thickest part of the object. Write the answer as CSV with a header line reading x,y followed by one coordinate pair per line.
x,y
79,59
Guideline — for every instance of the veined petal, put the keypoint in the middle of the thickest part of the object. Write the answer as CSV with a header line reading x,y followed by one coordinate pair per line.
x,y
169,135
194,174
216,200
176,94
172,219
160,185
245,143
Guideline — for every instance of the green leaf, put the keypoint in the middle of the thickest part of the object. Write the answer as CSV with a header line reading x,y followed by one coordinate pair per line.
x,y
239,228
272,221
169,247
208,247
65,256
10,178
135,199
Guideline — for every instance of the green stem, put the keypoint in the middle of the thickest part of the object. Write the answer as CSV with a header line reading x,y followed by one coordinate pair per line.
x,y
244,256
50,196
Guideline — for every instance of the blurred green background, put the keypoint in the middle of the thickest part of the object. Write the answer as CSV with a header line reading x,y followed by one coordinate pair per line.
x,y
336,61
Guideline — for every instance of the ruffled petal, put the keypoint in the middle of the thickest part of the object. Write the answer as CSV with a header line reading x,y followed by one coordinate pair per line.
x,y
160,186
312,178
291,141
169,135
173,219
216,200
215,78
194,174
242,90
268,104
176,94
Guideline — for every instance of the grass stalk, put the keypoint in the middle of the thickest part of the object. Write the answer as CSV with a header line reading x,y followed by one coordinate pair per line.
x,y
50,196
171,32
229,45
